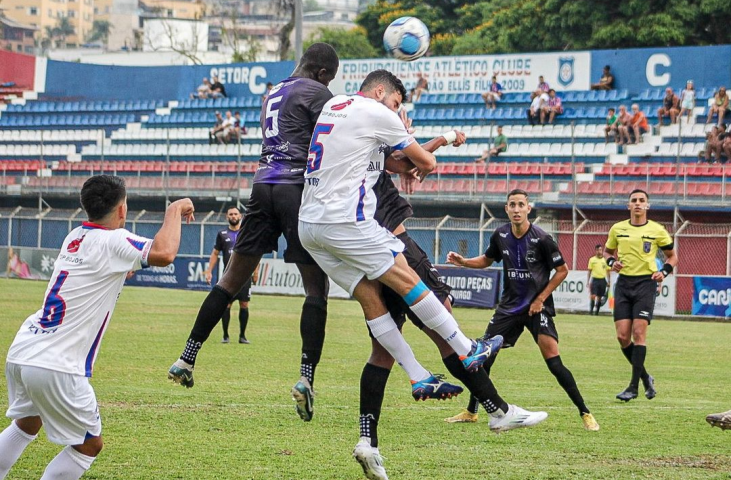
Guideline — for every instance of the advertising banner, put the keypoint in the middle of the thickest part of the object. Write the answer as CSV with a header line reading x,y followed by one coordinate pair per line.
x,y
472,74
471,287
712,296
281,278
573,295
27,263
185,273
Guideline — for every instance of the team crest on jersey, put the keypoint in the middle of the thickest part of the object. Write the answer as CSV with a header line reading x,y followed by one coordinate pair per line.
x,y
530,256
74,245
646,247
340,106
138,244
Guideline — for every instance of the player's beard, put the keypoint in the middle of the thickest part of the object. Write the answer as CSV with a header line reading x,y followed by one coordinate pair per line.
x,y
232,222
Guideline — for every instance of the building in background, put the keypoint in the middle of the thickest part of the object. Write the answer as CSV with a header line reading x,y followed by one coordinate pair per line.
x,y
76,16
15,36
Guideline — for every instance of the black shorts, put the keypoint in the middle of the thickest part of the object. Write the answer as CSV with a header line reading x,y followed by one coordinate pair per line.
x,y
420,263
634,298
598,286
511,327
273,210
244,294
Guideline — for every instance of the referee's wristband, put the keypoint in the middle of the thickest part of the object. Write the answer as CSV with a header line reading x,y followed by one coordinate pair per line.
x,y
666,270
450,137
610,261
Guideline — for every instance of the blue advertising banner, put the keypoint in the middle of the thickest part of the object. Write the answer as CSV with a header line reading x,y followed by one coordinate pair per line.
x,y
637,69
110,82
471,287
712,296
185,273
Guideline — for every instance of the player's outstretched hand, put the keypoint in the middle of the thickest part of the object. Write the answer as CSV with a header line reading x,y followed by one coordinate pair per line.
x,y
455,259
186,209
404,115
461,139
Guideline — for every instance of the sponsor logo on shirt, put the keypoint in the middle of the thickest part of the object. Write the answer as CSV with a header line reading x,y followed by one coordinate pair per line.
x,y
504,235
534,240
506,252
557,257
74,245
340,106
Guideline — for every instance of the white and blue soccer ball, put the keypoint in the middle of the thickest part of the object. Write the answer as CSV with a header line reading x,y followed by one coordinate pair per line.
x,y
407,38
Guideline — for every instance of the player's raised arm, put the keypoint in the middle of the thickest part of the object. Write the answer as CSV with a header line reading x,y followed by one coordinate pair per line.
x,y
167,241
475,262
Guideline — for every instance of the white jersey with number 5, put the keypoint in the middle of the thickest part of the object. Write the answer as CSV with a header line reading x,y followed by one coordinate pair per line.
x,y
346,158
64,335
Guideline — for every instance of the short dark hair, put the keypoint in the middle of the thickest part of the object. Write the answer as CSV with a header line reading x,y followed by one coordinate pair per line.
x,y
101,194
319,56
385,78
639,190
237,113
606,67
598,245
517,191
611,109
233,206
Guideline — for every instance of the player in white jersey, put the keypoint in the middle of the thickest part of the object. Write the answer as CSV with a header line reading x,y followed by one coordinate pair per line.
x,y
53,353
338,229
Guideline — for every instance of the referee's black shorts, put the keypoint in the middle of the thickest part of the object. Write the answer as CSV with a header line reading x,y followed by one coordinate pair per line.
x,y
420,263
598,286
634,298
273,210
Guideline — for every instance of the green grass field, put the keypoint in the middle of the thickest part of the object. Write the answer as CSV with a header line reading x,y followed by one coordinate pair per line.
x,y
239,422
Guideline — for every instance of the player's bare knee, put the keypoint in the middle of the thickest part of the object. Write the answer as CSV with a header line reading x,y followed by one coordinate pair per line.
x,y
29,425
91,447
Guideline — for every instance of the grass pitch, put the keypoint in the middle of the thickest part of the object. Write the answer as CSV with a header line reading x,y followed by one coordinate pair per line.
x,y
239,422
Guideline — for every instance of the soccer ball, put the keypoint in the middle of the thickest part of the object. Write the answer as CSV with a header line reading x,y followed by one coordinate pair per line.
x,y
407,38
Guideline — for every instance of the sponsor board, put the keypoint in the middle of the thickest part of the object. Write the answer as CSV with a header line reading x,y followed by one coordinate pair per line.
x,y
471,287
277,277
712,296
184,273
572,295
472,74
27,263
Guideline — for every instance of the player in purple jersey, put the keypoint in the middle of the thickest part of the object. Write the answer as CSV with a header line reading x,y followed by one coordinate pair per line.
x,y
225,241
529,255
287,119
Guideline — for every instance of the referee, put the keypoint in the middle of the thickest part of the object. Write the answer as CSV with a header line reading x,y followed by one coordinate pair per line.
x,y
630,251
597,279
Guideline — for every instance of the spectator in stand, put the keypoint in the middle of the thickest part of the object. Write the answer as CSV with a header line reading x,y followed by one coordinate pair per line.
x,y
217,127
227,126
492,96
422,85
606,82
638,123
612,126
238,130
537,100
264,97
669,107
715,140
552,108
719,106
499,145
542,85
624,119
726,145
687,100
217,88
203,90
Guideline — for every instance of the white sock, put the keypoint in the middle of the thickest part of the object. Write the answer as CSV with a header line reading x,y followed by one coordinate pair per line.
x,y
435,316
386,332
13,441
68,465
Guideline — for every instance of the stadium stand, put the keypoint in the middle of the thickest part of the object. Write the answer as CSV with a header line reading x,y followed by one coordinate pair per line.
x,y
164,144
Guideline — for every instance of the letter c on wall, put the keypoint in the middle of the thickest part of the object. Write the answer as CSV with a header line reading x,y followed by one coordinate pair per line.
x,y
651,70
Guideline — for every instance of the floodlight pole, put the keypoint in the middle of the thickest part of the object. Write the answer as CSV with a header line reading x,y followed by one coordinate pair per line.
x,y
297,30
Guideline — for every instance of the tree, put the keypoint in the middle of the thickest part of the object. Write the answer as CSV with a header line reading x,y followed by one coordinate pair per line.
x,y
351,43
285,8
245,48
176,41
100,30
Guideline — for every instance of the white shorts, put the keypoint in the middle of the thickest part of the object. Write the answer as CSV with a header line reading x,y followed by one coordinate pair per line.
x,y
66,403
687,104
347,252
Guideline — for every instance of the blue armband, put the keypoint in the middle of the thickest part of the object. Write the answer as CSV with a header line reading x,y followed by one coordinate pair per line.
x,y
411,297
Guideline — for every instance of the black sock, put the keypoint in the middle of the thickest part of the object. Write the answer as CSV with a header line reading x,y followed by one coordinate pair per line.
x,y
225,320
209,314
598,306
627,352
243,321
312,331
638,364
478,383
567,382
372,387
591,306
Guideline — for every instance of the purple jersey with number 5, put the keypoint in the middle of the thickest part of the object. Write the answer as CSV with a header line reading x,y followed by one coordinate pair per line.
x,y
288,118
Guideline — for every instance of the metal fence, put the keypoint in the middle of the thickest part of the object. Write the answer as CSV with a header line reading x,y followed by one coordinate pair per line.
x,y
703,248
